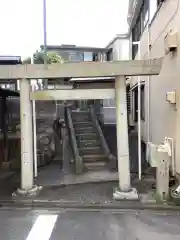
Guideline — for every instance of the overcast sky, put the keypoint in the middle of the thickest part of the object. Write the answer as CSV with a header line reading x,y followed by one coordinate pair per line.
x,y
80,22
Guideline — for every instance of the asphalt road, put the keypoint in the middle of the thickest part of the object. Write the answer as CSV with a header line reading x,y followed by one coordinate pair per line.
x,y
88,225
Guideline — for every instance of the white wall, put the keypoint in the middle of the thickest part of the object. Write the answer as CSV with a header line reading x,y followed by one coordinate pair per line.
x,y
120,52
120,49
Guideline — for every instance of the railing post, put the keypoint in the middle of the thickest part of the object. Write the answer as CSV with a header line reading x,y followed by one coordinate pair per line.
x,y
125,191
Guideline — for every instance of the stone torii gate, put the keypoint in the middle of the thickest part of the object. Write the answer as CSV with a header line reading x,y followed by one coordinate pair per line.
x,y
117,69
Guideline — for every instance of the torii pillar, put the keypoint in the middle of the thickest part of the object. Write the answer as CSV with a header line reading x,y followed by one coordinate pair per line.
x,y
124,191
27,174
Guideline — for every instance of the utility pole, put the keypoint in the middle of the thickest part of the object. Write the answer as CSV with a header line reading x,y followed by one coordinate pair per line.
x,y
34,127
45,40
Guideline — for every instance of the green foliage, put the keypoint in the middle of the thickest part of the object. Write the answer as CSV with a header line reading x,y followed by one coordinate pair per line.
x,y
52,57
38,57
27,60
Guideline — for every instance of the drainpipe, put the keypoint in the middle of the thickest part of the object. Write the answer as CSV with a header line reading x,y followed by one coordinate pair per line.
x,y
139,115
148,95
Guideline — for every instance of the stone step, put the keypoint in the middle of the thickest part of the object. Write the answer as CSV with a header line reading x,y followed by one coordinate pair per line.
x,y
76,114
94,158
82,124
81,119
79,126
86,136
95,166
89,143
80,114
90,150
85,130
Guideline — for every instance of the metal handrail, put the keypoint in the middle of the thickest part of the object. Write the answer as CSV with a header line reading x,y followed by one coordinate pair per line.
x,y
103,142
72,136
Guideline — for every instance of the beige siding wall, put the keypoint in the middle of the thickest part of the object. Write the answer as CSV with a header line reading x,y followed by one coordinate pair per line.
x,y
164,118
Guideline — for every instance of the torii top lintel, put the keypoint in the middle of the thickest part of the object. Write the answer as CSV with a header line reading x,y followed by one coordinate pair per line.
x,y
82,69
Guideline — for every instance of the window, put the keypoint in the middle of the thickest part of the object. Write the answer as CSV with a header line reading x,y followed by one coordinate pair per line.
x,y
75,56
136,34
95,57
139,26
109,103
88,56
135,102
10,86
109,55
152,9
2,85
143,102
144,14
50,87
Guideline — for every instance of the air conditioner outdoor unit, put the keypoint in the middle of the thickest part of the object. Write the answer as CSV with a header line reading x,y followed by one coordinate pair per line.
x,y
171,41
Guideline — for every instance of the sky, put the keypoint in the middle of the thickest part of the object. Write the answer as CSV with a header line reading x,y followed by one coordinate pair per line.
x,y
79,22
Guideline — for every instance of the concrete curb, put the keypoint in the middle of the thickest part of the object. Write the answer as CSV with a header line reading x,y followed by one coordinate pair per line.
x,y
128,205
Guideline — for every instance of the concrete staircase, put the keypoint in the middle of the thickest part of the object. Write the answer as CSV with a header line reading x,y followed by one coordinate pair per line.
x,y
88,142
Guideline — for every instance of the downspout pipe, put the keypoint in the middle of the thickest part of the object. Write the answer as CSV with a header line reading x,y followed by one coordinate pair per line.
x,y
139,116
148,95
